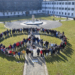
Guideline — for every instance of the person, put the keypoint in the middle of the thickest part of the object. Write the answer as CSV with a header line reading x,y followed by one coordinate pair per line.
x,y
38,51
23,52
10,31
41,53
34,52
17,44
10,47
19,53
27,51
9,52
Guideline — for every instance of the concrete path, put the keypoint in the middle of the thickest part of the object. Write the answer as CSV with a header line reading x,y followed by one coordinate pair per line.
x,y
35,65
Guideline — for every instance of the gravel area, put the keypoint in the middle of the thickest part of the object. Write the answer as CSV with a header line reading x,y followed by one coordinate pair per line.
x,y
46,24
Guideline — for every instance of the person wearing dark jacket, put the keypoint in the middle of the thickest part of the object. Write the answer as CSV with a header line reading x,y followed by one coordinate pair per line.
x,y
38,51
27,51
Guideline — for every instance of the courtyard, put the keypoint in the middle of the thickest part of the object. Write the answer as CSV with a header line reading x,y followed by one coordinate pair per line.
x,y
60,64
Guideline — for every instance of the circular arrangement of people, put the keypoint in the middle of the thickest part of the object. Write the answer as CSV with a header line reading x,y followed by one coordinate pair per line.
x,y
36,47
37,37
33,42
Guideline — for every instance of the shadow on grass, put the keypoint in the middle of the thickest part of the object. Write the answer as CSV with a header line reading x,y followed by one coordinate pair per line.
x,y
16,58
10,58
68,51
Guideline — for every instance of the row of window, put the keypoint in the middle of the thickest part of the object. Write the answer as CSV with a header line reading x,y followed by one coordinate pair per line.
x,y
59,3
58,8
60,13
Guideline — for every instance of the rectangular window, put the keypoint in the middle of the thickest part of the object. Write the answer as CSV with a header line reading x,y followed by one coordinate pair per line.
x,y
69,3
62,13
72,3
72,8
68,13
65,3
72,14
68,8
62,8
65,8
59,12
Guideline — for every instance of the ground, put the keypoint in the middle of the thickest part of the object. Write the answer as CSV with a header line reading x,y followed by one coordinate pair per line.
x,y
21,24
62,64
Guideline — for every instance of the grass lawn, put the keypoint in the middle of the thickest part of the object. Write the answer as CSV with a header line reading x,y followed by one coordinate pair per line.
x,y
64,63
9,65
27,18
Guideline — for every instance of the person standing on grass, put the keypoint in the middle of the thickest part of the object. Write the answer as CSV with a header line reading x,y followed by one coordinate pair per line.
x,y
19,53
23,52
41,53
10,31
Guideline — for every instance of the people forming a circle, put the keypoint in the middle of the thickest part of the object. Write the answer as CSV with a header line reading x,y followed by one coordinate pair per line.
x,y
47,48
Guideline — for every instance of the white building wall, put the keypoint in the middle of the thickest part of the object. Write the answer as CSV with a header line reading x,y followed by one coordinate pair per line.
x,y
61,12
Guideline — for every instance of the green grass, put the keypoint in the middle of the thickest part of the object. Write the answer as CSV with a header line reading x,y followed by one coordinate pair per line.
x,y
64,63
29,17
13,39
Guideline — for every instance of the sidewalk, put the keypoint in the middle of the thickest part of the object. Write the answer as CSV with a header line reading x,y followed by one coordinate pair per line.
x,y
35,65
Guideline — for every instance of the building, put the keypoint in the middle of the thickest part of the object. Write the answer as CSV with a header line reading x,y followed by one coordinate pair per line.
x,y
59,7
20,5
64,8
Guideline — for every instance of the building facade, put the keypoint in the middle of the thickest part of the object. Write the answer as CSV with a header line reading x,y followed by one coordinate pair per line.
x,y
64,8
20,5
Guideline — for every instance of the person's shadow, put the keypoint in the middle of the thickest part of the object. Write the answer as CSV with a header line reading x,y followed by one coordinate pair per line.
x,y
67,51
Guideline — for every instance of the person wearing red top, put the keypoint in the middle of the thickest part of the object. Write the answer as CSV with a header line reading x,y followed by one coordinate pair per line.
x,y
41,53
9,52
65,43
17,44
10,46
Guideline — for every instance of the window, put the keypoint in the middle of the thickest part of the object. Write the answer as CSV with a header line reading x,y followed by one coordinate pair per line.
x,y
65,3
69,3
68,13
59,8
62,13
65,13
11,12
3,13
65,8
72,14
72,3
62,8
68,8
62,3
59,12
72,8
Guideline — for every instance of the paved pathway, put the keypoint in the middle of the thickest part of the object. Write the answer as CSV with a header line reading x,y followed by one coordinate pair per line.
x,y
35,68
